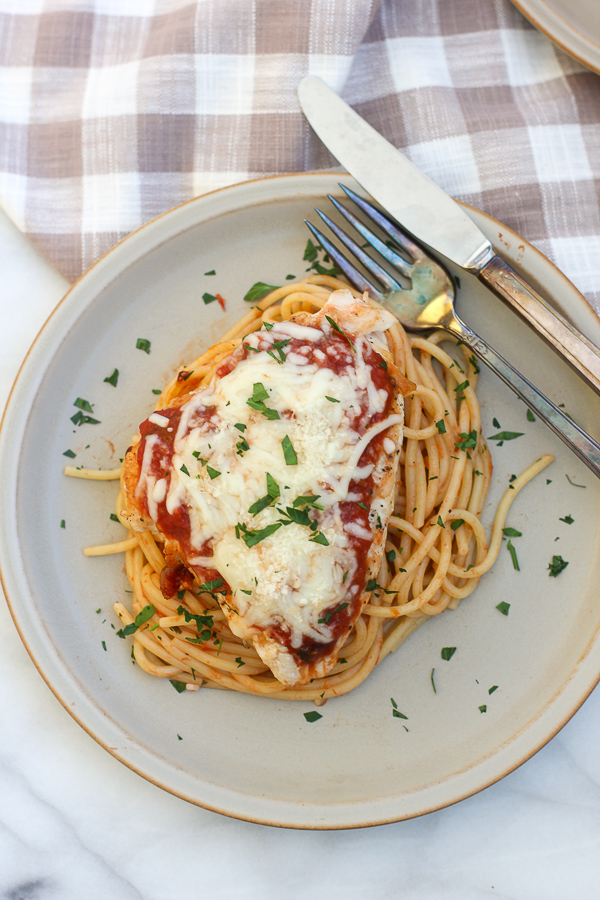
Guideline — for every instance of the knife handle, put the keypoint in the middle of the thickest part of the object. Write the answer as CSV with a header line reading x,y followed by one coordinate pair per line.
x,y
578,440
575,349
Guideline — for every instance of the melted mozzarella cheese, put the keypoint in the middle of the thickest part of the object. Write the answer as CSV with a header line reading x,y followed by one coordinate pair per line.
x,y
224,448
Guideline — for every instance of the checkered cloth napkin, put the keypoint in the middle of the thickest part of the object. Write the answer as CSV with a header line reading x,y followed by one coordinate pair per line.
x,y
112,111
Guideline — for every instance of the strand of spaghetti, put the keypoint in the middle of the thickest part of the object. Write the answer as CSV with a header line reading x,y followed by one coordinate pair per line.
x,y
93,474
517,485
399,633
106,549
151,551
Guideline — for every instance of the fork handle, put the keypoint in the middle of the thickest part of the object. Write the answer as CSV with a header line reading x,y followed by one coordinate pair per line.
x,y
576,349
584,446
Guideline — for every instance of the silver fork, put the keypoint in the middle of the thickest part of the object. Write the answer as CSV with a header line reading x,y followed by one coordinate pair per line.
x,y
428,304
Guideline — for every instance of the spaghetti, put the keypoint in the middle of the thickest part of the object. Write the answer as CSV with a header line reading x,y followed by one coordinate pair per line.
x,y
436,549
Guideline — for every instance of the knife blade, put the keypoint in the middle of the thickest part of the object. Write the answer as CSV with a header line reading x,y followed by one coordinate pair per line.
x,y
435,219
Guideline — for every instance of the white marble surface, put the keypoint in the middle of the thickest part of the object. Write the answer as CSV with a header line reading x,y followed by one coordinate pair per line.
x,y
75,824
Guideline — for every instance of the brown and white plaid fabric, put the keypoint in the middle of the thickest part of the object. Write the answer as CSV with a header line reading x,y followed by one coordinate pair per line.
x,y
112,111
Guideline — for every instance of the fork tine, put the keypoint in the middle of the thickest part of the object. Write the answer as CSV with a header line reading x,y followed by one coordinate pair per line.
x,y
386,251
351,272
385,224
370,265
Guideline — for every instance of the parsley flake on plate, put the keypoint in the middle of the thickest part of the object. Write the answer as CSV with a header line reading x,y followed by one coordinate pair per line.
x,y
557,565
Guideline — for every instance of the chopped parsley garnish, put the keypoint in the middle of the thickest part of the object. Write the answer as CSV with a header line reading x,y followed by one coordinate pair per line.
x,y
308,500
441,426
460,387
252,537
70,454
104,645
179,687
390,555
257,401
432,681
530,416
240,661
568,519
395,711
574,484
310,255
337,328
80,419
277,347
440,522
310,252
240,426
503,607
143,344
259,290
62,523
211,585
505,436
212,272
475,365
289,453
208,298
455,525
511,532
513,555
448,652
156,390
328,616
85,405
331,399
271,495
184,469
213,473
483,708
467,441
113,379
319,538
142,617
557,565
312,716
298,516
496,423
114,517
493,688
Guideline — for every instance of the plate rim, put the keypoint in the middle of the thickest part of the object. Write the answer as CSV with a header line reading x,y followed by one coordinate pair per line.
x,y
569,38
344,818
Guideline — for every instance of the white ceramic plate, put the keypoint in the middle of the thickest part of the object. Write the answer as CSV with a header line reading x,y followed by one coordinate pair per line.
x,y
573,25
259,759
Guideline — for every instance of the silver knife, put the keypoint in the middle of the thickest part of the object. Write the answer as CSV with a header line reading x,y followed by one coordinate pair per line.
x,y
435,219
